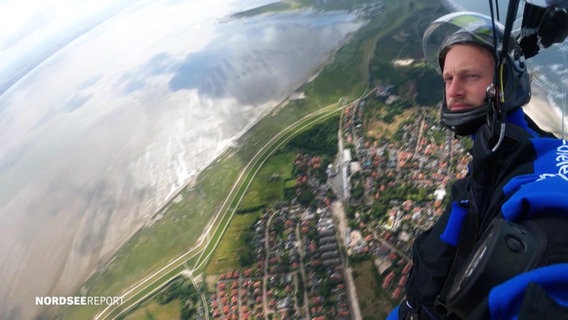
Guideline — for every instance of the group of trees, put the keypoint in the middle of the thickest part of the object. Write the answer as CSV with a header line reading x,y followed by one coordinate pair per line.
x,y
318,140
189,296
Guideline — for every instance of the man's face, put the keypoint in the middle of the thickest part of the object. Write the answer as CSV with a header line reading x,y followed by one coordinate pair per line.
x,y
468,71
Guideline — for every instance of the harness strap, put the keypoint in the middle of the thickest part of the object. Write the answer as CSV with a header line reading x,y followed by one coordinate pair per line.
x,y
470,230
465,246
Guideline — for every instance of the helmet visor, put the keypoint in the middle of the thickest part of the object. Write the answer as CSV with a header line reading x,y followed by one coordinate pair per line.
x,y
455,28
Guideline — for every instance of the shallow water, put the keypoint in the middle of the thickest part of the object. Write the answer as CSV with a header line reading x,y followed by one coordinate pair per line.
x,y
106,127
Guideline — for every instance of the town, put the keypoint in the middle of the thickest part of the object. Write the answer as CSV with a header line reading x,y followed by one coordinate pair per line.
x,y
304,246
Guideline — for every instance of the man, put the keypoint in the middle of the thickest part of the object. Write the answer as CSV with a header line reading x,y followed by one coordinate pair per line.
x,y
463,45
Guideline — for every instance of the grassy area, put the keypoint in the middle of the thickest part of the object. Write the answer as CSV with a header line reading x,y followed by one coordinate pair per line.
x,y
372,300
155,311
232,245
376,129
267,186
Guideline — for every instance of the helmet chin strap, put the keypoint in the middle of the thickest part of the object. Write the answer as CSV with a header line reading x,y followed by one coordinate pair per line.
x,y
497,116
502,126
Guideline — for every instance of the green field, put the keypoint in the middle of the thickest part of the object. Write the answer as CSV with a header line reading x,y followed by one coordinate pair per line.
x,y
232,245
267,186
372,300
153,310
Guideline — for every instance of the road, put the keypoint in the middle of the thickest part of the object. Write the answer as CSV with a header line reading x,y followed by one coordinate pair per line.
x,y
339,213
